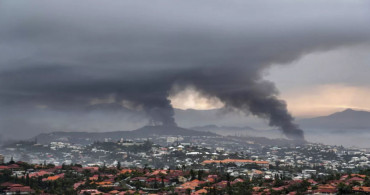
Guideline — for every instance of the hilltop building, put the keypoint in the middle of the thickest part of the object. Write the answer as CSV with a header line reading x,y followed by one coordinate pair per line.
x,y
238,162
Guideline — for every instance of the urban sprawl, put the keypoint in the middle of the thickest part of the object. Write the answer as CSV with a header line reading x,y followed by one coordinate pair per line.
x,y
182,165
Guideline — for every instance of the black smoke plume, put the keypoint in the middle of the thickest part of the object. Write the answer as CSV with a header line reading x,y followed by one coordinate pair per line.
x,y
73,57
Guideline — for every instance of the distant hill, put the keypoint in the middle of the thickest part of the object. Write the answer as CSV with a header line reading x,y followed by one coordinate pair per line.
x,y
147,131
220,117
267,141
239,131
212,128
168,130
348,119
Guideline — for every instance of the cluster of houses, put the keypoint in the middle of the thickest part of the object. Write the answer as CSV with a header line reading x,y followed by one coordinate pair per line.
x,y
333,158
238,162
115,180
192,152
157,167
9,188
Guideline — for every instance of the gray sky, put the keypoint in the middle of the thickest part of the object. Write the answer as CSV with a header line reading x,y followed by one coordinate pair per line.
x,y
326,82
93,65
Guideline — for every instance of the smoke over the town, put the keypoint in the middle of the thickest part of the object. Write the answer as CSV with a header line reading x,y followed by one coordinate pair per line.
x,y
74,57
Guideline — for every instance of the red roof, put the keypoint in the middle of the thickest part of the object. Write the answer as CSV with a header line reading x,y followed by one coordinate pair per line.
x,y
138,178
20,189
157,178
39,173
332,191
356,179
7,184
13,166
362,189
311,181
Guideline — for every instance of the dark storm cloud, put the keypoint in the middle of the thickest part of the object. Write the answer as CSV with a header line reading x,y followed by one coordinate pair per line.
x,y
63,55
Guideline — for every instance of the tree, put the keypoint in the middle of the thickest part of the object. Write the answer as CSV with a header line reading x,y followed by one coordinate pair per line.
x,y
11,160
27,179
228,178
119,165
192,174
277,163
200,175
162,177
229,189
278,182
155,183
244,188
366,182
344,189
22,180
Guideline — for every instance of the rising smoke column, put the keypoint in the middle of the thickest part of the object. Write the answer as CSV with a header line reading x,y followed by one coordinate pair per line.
x,y
264,104
245,90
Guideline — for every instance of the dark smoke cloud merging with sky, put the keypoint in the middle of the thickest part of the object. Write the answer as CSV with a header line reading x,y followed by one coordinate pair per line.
x,y
71,57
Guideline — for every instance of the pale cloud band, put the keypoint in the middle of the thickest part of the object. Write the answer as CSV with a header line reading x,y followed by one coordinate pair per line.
x,y
190,98
326,99
307,102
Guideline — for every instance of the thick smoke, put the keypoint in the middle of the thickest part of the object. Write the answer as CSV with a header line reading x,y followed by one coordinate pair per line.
x,y
71,56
